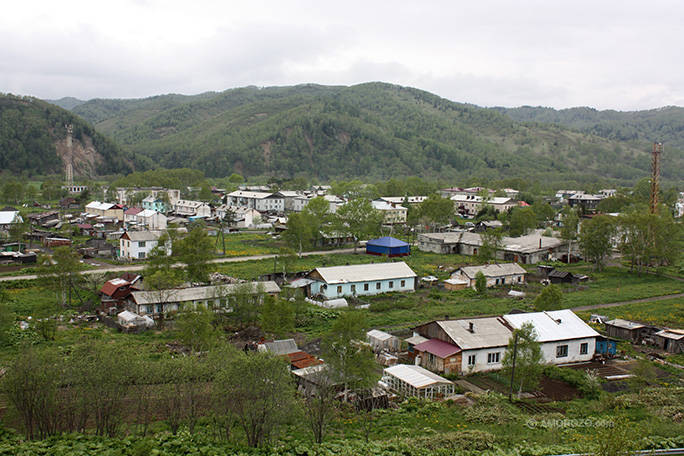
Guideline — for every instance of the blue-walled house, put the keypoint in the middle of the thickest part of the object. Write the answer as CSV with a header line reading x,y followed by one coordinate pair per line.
x,y
388,246
361,280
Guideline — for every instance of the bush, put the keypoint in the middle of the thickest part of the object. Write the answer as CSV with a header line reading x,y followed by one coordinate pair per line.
x,y
491,408
588,385
468,442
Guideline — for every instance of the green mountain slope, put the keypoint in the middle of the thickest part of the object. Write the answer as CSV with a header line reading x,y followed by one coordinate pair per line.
x,y
32,140
664,125
373,130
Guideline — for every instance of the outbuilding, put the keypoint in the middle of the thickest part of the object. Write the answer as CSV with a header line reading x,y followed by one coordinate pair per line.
x,y
408,380
388,246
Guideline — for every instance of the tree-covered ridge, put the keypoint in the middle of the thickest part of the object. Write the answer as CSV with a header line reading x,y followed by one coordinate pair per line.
x,y
372,131
29,129
664,125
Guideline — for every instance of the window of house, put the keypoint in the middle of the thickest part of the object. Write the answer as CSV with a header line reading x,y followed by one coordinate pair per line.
x,y
503,281
431,358
141,243
365,287
561,351
519,279
497,281
471,360
353,288
493,358
339,288
377,286
584,348
160,308
391,284
403,283
141,255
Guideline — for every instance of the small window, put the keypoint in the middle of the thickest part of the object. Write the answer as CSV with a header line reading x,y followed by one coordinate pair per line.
x,y
377,286
353,288
503,281
339,289
391,284
471,360
519,279
141,243
497,281
561,351
141,255
584,348
365,287
403,283
493,358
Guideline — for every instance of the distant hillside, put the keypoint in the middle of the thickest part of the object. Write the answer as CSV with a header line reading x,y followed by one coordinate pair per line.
x,y
33,140
373,131
68,103
664,125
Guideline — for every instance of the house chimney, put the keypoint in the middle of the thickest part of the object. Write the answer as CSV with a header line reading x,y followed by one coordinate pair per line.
x,y
471,327
540,243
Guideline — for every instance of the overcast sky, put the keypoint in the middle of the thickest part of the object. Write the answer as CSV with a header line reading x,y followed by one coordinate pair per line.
x,y
624,55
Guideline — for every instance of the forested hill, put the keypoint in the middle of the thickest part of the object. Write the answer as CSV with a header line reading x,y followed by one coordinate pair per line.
x,y
373,131
33,140
664,125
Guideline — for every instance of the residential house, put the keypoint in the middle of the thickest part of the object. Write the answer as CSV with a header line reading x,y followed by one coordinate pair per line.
x,y
361,280
288,199
334,202
254,200
496,274
243,217
585,201
528,249
394,214
563,336
130,217
151,220
187,208
8,218
111,211
69,203
415,381
478,344
463,346
113,295
155,204
214,297
136,245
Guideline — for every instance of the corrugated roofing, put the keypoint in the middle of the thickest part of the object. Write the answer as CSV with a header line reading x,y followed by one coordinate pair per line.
x,y
554,325
625,324
670,334
379,335
438,348
416,376
487,332
282,347
493,270
365,272
197,293
416,340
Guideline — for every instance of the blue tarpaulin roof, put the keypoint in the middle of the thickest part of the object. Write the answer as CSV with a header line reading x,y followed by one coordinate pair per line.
x,y
387,241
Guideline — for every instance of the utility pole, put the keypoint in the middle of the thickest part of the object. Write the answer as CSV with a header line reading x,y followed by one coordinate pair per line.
x,y
655,177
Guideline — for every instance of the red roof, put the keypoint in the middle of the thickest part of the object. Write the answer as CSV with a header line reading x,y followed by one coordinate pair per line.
x,y
438,348
113,288
300,360
133,211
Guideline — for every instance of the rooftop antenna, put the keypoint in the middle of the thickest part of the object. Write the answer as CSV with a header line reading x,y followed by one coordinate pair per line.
x,y
655,176
69,158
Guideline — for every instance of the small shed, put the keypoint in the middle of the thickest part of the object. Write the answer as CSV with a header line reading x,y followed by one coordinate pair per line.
x,y
130,319
388,246
455,284
558,277
416,381
670,340
381,340
606,346
625,330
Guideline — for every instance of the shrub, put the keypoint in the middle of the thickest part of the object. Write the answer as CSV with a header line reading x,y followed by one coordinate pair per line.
x,y
468,442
